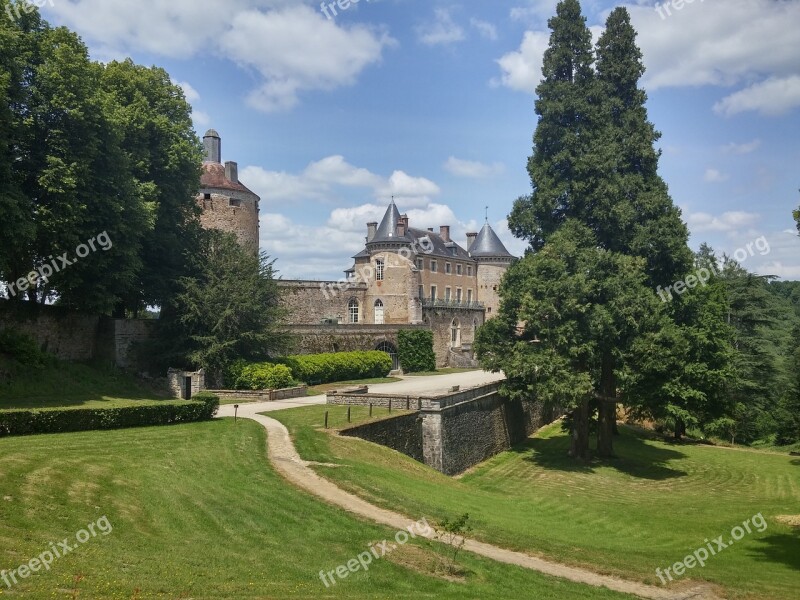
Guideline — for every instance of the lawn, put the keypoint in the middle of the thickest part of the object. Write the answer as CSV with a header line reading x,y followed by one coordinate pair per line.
x,y
197,512
647,509
447,371
74,385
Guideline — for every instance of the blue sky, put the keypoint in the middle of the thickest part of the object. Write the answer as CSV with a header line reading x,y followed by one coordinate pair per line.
x,y
432,102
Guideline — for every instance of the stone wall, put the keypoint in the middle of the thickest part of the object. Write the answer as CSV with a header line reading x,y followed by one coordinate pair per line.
x,y
458,430
440,321
402,433
262,395
233,211
315,302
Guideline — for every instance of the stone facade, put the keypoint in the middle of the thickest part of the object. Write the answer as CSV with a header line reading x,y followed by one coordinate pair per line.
x,y
185,384
408,277
226,203
458,430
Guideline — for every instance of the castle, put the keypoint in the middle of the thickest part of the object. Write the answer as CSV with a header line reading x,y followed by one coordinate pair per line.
x,y
404,278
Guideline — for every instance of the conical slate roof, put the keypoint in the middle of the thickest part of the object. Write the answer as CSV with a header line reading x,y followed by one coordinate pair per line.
x,y
387,230
488,245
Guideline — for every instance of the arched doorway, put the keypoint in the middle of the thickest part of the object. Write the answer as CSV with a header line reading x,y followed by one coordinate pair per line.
x,y
378,312
455,334
389,348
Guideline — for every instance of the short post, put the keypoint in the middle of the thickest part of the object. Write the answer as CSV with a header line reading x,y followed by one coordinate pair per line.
x,y
370,409
235,412
348,413
326,419
419,403
390,405
408,402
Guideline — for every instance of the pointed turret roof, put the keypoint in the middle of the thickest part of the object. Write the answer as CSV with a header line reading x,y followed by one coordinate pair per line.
x,y
387,230
488,245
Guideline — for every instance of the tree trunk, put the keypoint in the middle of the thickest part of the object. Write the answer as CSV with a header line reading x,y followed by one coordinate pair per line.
x,y
607,409
680,429
579,439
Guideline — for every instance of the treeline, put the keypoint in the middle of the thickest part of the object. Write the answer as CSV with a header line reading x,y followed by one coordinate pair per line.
x,y
582,325
89,149
99,171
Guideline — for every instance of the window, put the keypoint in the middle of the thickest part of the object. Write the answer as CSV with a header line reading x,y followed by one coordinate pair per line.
x,y
454,251
433,292
379,270
458,295
235,202
447,293
458,270
378,312
352,309
448,268
469,271
469,295
206,196
420,264
455,334
421,292
434,266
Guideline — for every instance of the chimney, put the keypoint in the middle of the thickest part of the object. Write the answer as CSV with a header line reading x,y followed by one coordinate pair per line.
x,y
213,146
471,239
232,171
401,228
444,231
372,229
404,221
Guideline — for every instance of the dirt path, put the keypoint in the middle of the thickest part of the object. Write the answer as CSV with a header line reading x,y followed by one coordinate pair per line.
x,y
287,462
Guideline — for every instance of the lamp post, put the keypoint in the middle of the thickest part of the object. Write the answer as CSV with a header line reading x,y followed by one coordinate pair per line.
x,y
235,412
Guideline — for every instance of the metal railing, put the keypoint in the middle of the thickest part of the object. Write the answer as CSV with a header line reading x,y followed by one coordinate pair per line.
x,y
440,303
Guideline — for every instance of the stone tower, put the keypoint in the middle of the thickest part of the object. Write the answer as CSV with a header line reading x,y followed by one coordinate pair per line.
x,y
227,204
493,260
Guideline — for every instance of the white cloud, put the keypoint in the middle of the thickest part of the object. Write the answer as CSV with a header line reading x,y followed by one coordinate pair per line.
x,y
472,169
715,176
486,29
727,222
293,47
745,148
775,96
318,181
441,31
201,119
191,94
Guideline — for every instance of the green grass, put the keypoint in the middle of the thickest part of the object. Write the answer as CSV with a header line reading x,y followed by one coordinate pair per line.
x,y
318,390
648,508
74,385
197,512
448,371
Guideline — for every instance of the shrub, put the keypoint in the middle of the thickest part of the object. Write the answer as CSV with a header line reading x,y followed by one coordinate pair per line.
x,y
233,371
34,421
315,369
264,376
415,351
23,349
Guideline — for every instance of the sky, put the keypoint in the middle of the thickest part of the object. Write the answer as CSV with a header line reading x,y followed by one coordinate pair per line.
x,y
331,112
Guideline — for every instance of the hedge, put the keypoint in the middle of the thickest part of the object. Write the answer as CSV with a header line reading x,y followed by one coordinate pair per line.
x,y
264,376
415,351
315,369
202,407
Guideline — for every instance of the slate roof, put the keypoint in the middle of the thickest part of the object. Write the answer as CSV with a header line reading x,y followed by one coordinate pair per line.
x,y
213,176
488,245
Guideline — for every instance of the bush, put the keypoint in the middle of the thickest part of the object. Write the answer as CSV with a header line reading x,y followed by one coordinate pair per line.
x,y
415,351
315,369
264,376
23,349
34,421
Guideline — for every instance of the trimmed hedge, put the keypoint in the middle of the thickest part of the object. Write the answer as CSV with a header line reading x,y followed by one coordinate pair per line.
x,y
35,421
315,369
264,376
415,351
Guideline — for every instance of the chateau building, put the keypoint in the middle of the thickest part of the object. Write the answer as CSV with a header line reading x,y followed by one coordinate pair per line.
x,y
404,278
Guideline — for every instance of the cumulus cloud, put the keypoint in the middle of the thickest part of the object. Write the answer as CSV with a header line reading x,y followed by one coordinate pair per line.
x,y
715,176
726,222
485,29
775,96
442,30
292,47
472,169
319,180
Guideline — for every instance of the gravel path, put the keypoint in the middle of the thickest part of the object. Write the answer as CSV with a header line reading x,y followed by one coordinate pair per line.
x,y
287,462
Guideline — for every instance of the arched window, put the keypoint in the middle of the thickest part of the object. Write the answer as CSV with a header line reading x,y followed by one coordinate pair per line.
x,y
455,334
378,312
389,348
352,310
